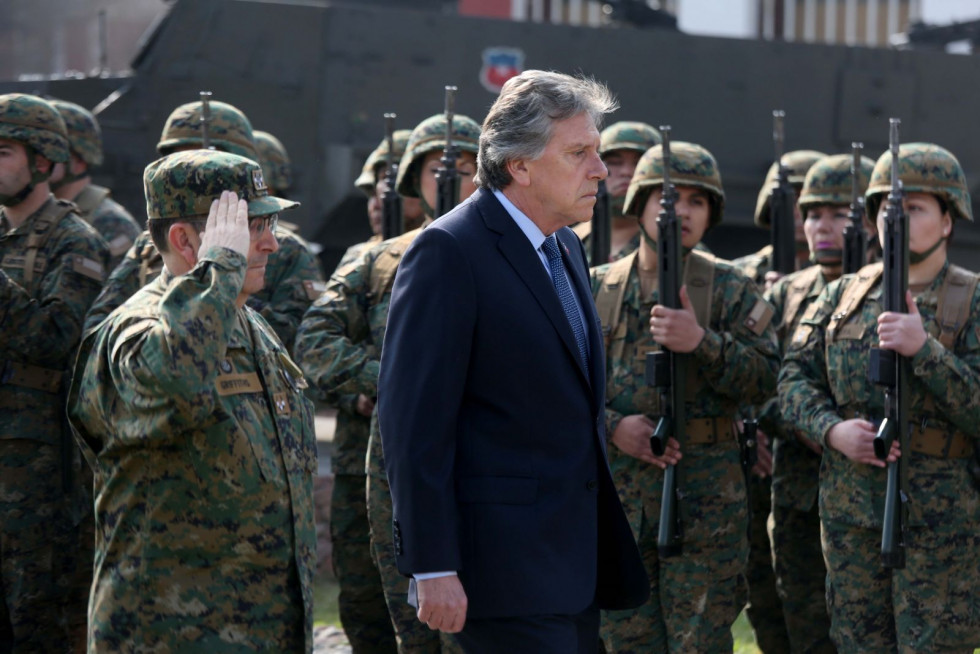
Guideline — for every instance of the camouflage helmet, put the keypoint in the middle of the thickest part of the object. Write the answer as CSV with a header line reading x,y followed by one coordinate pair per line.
x,y
34,122
183,184
798,162
923,168
84,134
690,165
430,135
274,160
628,135
829,181
368,177
228,130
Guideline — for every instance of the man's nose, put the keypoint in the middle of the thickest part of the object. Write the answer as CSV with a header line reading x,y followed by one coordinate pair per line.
x,y
268,242
599,170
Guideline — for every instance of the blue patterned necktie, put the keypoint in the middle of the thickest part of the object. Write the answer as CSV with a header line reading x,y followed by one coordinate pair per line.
x,y
564,290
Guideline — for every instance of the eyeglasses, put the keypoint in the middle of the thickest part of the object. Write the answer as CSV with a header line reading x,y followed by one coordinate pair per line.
x,y
258,225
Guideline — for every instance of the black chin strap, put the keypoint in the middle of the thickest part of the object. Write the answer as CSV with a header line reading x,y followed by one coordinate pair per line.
x,y
36,178
917,257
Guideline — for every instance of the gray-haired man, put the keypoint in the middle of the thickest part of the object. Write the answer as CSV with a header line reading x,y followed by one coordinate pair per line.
x,y
504,509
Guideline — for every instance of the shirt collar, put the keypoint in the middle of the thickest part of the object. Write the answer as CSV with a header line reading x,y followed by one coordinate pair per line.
x,y
535,235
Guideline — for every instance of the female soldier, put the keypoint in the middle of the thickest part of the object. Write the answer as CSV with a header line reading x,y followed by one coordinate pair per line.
x,y
725,333
795,528
933,603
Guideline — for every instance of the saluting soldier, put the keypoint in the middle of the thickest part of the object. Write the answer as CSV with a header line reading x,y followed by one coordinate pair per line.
x,y
620,145
929,605
795,526
52,264
293,276
193,416
339,345
724,329
72,181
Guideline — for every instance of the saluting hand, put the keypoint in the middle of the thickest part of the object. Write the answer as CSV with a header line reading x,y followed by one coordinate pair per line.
x,y
676,329
855,440
902,332
227,225
632,436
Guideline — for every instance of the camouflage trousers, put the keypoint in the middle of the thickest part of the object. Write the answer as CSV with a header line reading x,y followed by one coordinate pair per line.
x,y
931,605
35,547
764,609
413,636
801,578
363,612
695,596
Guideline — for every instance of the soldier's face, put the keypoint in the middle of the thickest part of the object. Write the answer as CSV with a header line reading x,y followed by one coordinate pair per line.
x,y
562,183
374,206
14,172
927,221
621,165
465,164
693,208
824,227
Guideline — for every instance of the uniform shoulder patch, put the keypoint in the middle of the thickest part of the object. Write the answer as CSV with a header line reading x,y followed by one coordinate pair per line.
x,y
120,245
88,267
759,317
314,288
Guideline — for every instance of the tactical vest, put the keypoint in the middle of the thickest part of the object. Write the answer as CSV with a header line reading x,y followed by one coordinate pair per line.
x,y
952,313
386,265
29,375
89,199
151,263
796,291
699,276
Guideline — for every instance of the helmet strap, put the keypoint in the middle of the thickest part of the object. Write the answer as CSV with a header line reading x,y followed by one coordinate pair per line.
x,y
653,244
917,257
68,177
36,178
426,209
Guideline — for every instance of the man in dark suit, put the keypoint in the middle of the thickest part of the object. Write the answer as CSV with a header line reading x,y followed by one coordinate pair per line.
x,y
491,393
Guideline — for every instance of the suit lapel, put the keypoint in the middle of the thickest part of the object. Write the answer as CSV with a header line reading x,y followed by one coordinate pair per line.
x,y
515,247
577,272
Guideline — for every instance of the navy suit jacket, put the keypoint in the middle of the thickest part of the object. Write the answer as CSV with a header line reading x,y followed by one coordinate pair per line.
x,y
493,431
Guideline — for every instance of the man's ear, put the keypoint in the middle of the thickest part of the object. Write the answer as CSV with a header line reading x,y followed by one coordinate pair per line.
x,y
78,165
184,242
519,171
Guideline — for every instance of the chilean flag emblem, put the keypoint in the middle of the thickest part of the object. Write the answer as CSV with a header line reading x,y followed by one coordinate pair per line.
x,y
499,65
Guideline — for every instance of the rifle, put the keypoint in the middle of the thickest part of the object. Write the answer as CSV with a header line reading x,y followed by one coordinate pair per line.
x,y
205,119
601,227
391,203
890,370
855,240
665,370
782,221
447,177
748,442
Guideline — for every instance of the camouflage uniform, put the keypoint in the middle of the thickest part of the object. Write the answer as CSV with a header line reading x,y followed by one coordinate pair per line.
x,y
696,596
930,605
765,609
293,278
51,268
794,528
193,418
339,344
622,135
116,226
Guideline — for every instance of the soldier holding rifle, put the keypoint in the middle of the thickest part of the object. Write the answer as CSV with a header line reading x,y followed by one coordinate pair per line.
x,y
831,184
912,587
722,329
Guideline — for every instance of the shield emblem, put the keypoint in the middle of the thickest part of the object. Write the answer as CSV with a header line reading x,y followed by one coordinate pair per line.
x,y
499,65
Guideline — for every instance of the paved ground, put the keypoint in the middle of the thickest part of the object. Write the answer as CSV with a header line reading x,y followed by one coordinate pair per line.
x,y
330,640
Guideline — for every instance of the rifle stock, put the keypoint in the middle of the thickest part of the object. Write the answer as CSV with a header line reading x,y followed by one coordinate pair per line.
x,y
392,223
890,370
665,370
447,178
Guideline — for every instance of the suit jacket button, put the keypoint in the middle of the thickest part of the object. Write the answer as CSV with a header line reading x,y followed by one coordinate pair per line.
x,y
591,485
